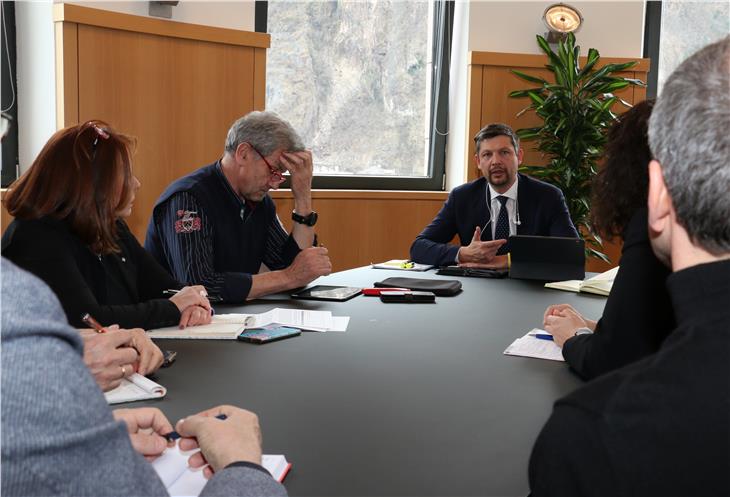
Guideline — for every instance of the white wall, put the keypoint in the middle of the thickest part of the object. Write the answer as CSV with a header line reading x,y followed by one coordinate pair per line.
x,y
36,57
615,28
230,14
36,78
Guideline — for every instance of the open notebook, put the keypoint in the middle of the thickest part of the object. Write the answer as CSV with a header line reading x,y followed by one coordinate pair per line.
x,y
600,284
136,387
229,326
179,479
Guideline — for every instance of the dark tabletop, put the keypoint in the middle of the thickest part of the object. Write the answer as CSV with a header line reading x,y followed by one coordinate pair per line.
x,y
413,399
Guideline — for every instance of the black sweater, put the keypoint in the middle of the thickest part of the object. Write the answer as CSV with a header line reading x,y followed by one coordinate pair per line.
x,y
659,426
124,288
638,314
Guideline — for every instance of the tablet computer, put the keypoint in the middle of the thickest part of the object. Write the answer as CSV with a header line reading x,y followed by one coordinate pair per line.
x,y
328,292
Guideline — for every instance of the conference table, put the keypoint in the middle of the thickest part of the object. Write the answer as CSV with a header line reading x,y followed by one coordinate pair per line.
x,y
413,399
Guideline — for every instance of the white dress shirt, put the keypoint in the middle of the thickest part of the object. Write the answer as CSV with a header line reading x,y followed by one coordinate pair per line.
x,y
511,205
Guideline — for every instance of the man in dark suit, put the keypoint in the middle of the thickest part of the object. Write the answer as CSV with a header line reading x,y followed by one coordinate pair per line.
x,y
660,426
485,212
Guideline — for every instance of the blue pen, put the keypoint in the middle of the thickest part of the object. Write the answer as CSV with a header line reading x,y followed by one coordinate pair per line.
x,y
173,435
542,336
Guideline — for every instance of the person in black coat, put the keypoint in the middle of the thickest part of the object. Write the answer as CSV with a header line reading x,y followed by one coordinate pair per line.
x,y
638,313
660,426
69,230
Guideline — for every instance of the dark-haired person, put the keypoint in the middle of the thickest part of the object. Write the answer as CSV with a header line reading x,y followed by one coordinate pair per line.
x,y
485,212
69,230
218,225
660,426
638,313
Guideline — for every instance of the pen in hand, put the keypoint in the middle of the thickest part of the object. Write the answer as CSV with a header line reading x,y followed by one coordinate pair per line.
x,y
89,320
173,435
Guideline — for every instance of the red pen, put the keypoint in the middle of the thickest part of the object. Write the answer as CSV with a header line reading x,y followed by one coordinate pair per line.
x,y
90,321
378,291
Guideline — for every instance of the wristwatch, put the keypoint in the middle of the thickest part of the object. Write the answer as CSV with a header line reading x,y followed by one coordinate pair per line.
x,y
583,331
309,220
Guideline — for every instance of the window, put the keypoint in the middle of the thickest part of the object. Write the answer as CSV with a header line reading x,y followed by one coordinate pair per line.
x,y
9,99
358,81
685,28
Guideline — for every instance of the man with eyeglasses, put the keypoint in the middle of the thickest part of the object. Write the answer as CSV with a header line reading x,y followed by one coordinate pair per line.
x,y
218,226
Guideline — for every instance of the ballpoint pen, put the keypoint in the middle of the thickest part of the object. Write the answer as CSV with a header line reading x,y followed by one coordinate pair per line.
x,y
93,323
543,336
211,298
173,435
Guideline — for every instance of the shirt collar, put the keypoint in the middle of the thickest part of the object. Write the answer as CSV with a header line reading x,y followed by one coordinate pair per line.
x,y
242,203
511,193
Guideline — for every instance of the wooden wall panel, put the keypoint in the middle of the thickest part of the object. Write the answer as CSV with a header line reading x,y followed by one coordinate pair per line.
x,y
359,228
176,87
490,81
178,97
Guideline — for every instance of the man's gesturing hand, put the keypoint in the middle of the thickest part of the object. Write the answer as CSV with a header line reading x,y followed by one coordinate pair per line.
x,y
478,251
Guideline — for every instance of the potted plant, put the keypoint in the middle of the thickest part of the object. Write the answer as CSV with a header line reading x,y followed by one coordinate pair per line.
x,y
576,110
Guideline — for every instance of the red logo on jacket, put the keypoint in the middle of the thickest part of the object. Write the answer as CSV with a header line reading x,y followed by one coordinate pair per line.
x,y
188,222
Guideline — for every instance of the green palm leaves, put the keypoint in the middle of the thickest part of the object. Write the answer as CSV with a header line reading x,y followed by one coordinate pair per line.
x,y
576,111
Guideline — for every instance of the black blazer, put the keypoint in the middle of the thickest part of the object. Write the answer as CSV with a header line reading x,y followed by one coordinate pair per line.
x,y
541,206
124,288
638,314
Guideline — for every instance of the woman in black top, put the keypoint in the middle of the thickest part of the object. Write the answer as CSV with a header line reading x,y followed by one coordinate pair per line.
x,y
638,313
69,230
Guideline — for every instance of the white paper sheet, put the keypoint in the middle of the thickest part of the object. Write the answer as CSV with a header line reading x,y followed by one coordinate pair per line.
x,y
529,346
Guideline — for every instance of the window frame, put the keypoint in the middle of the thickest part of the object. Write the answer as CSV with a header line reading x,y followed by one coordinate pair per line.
x,y
652,37
438,119
10,145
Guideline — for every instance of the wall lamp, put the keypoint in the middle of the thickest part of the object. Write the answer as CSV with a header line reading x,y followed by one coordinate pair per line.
x,y
560,20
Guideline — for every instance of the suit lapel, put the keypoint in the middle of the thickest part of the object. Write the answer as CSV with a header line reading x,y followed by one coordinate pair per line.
x,y
525,206
482,213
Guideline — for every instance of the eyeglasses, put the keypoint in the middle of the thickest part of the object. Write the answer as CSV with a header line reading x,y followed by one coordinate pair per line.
x,y
276,174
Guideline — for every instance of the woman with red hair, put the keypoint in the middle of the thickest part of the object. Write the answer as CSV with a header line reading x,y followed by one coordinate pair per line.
x,y
69,230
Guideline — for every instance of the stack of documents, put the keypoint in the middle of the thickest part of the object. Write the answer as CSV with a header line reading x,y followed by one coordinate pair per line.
x,y
402,265
531,346
180,479
229,326
600,284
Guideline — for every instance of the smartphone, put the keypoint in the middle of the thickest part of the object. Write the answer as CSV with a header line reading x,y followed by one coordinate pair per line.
x,y
407,297
268,334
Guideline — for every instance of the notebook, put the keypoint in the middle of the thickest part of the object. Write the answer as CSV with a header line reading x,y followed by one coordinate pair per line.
x,y
402,265
229,326
181,480
530,346
136,387
547,258
600,284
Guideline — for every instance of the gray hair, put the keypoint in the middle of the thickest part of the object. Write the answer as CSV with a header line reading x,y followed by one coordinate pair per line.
x,y
266,131
689,134
496,129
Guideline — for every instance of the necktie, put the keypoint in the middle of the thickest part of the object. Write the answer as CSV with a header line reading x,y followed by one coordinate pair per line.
x,y
501,231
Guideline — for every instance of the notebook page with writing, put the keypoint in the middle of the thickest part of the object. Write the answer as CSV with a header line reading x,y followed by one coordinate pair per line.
x,y
136,387
529,346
